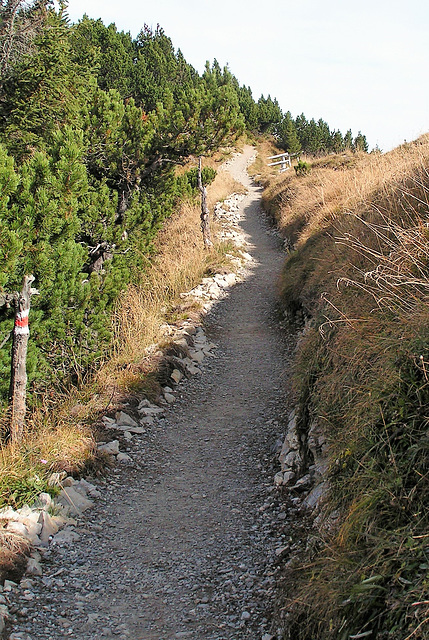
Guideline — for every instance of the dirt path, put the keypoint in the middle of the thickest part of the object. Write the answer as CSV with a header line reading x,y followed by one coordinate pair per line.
x,y
182,542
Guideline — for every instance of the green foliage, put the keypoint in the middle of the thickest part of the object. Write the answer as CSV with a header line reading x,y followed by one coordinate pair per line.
x,y
207,176
92,124
288,135
269,114
302,168
21,490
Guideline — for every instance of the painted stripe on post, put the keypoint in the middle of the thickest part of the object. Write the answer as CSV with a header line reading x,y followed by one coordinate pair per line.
x,y
21,323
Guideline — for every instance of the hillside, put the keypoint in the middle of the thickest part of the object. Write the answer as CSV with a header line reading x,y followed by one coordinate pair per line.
x,y
355,283
95,131
274,480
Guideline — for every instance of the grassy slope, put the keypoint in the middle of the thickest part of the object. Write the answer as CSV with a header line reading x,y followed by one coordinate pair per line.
x,y
358,272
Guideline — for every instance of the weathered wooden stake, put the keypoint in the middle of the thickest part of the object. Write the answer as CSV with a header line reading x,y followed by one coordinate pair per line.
x,y
205,223
18,376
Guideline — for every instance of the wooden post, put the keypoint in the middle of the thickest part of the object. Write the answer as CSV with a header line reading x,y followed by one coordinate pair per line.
x,y
18,377
205,224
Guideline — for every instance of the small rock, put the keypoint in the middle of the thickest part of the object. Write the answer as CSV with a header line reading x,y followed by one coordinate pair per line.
x,y
152,411
136,430
88,487
123,457
9,585
169,398
176,376
55,479
26,583
125,420
17,527
245,615
66,536
49,526
278,479
44,501
73,501
197,356
4,614
112,448
193,370
288,477
33,567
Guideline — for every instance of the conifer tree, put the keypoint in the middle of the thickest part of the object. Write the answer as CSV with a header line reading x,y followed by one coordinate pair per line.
x,y
287,134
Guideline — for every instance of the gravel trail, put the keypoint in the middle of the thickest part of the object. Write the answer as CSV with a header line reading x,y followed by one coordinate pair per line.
x,y
183,541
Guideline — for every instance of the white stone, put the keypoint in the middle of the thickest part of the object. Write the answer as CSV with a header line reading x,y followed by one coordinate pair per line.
x,y
278,479
197,356
56,478
49,527
33,567
112,448
66,536
169,398
125,420
44,501
17,527
176,376
73,502
123,457
151,411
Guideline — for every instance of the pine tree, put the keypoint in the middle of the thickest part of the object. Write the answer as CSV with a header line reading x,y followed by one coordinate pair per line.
x,y
45,91
360,143
269,114
287,134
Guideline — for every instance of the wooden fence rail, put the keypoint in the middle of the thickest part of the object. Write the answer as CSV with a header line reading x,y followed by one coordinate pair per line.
x,y
285,161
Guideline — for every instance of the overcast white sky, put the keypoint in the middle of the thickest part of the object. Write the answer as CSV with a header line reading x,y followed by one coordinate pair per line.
x,y
357,64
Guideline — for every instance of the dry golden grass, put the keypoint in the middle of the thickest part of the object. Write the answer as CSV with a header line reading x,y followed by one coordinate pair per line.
x,y
179,264
14,550
259,170
359,268
307,204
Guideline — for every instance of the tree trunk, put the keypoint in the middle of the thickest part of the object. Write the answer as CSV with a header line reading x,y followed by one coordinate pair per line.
x,y
205,223
18,378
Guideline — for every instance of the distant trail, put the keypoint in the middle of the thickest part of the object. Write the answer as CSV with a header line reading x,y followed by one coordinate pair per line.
x,y
178,546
